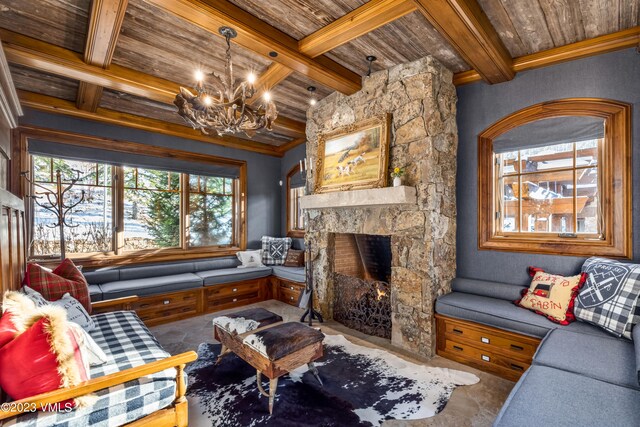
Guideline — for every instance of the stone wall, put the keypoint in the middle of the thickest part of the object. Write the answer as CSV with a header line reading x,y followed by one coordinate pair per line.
x,y
422,100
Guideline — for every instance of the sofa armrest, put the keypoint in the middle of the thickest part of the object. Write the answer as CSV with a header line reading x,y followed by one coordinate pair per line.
x,y
95,384
115,304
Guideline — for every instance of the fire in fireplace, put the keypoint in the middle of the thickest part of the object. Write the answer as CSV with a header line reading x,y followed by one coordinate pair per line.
x,y
362,271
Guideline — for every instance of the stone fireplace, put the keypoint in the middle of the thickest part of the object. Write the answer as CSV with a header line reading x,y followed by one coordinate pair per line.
x,y
418,219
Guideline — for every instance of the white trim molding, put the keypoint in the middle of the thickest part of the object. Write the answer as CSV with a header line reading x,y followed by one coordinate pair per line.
x,y
10,108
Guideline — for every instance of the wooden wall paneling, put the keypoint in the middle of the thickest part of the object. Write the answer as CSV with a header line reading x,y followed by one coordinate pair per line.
x,y
59,22
262,38
105,21
58,106
12,241
582,49
469,30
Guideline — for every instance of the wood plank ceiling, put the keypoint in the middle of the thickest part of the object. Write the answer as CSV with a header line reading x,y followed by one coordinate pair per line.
x,y
122,61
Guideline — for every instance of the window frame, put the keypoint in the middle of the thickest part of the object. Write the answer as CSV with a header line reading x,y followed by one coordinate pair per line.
x,y
119,256
292,232
615,181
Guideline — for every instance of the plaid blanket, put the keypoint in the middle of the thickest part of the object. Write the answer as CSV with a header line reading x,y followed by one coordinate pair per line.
x,y
128,343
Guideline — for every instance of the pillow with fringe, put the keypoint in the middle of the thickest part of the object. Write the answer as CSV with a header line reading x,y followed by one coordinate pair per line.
x,y
15,306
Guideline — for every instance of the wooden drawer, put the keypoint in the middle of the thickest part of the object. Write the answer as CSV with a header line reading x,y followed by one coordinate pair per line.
x,y
166,308
289,296
482,356
222,303
519,347
225,291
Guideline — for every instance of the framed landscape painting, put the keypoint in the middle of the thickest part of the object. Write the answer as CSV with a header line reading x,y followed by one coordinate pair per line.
x,y
354,156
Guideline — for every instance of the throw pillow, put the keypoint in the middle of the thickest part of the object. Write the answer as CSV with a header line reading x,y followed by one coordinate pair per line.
x,y
551,295
75,311
15,308
45,357
609,299
250,258
274,249
66,278
92,354
295,258
34,296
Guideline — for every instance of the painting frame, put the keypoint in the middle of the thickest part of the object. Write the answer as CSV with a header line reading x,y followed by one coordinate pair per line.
x,y
323,178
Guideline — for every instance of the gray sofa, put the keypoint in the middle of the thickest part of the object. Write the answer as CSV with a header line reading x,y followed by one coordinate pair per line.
x,y
117,282
580,375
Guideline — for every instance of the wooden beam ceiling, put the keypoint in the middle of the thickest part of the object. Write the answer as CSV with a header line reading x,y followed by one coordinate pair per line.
x,y
32,53
468,29
582,49
60,106
104,27
263,39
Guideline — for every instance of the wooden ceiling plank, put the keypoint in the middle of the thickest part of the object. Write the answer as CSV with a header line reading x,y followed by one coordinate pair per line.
x,y
582,49
467,28
103,115
292,144
32,53
105,22
262,38
358,22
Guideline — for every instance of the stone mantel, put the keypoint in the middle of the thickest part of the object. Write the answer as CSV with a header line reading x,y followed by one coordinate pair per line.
x,y
403,195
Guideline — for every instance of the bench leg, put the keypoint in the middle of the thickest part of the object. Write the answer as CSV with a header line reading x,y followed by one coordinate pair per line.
x,y
223,351
314,371
273,386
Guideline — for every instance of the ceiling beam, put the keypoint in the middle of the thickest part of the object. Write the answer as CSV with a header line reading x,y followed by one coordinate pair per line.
x,y
103,115
363,20
105,22
32,53
270,78
263,39
595,46
464,24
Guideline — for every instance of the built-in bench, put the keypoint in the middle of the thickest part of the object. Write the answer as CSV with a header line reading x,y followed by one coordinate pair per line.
x,y
578,373
173,291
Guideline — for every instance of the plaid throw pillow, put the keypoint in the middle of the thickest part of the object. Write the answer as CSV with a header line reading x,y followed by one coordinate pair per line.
x,y
609,298
66,278
274,250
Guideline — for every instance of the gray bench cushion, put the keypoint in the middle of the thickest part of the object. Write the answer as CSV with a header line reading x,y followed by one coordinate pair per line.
x,y
603,358
102,276
503,314
156,270
150,285
230,275
635,333
295,274
216,263
502,291
551,397
95,293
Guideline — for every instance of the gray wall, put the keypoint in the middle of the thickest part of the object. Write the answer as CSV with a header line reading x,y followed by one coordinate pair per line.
x,y
263,172
614,76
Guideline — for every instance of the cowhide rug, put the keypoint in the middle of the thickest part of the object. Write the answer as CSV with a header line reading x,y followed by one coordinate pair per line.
x,y
362,387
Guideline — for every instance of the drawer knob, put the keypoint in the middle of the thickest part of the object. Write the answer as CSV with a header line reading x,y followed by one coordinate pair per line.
x,y
166,302
455,347
291,298
484,340
486,358
235,299
457,331
291,287
517,347
235,289
517,367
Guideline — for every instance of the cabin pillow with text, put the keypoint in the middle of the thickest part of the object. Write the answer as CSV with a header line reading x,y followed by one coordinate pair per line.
x,y
551,295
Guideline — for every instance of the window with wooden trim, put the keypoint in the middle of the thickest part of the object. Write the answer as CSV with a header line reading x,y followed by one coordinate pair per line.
x,y
555,178
143,206
295,191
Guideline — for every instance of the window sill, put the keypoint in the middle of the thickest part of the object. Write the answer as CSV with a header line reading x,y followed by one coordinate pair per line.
x,y
579,247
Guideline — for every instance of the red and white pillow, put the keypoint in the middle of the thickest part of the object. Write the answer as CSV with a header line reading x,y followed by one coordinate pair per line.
x,y
551,295
66,278
43,354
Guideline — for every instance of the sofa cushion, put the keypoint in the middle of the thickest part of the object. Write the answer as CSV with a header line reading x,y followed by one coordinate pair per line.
x,y
603,358
295,274
103,275
551,397
502,314
150,285
216,263
156,270
95,293
503,291
230,275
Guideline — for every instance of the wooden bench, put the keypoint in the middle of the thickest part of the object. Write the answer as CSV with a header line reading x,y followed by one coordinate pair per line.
x,y
273,348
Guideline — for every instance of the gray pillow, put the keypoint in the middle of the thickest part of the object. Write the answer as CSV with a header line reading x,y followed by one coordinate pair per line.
x,y
76,313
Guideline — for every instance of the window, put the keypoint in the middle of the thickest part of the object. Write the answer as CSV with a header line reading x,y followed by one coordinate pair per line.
x,y
125,211
295,190
554,181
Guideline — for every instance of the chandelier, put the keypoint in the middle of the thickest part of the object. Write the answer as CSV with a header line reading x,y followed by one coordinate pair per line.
x,y
220,105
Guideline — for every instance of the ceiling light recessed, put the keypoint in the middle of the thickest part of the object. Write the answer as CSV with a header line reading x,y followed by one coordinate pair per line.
x,y
273,54
370,59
